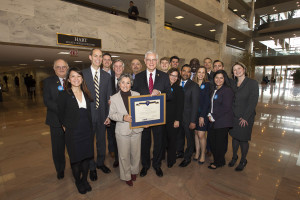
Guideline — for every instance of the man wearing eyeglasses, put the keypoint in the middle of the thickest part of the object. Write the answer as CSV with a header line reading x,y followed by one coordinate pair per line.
x,y
52,86
152,81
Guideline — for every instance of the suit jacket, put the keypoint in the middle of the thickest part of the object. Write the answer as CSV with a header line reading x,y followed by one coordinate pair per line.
x,y
222,108
210,76
116,112
175,104
161,83
68,109
50,94
191,102
113,86
105,91
204,100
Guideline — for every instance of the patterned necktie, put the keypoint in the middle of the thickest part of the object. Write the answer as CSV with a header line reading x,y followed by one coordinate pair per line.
x,y
182,84
150,83
96,84
64,84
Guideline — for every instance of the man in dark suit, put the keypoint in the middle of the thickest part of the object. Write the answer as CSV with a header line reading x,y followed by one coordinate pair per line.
x,y
99,84
52,86
136,67
208,65
152,81
190,111
133,11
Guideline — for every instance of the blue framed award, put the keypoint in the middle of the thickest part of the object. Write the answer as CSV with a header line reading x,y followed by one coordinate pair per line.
x,y
147,110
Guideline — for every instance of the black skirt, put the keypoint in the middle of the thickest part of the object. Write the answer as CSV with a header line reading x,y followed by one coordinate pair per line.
x,y
79,140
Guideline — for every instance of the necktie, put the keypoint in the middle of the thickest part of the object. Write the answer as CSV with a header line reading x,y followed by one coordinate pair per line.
x,y
182,84
150,83
96,84
64,84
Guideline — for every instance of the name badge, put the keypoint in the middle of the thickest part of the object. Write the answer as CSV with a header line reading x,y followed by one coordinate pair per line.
x,y
202,87
60,88
215,97
171,89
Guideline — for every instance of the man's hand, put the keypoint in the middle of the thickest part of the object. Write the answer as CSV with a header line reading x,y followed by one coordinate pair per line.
x,y
192,126
176,124
127,118
107,122
155,92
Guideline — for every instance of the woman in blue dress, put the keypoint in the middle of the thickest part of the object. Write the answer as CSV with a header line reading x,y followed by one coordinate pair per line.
x,y
200,140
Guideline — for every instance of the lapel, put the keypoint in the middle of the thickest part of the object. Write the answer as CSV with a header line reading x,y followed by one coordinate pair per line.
x,y
243,83
145,79
74,100
157,78
90,78
187,84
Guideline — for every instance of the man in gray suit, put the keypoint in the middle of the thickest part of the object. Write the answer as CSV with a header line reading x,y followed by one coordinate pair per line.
x,y
99,85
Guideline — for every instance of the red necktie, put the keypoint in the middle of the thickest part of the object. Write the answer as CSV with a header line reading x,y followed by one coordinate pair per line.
x,y
150,83
64,84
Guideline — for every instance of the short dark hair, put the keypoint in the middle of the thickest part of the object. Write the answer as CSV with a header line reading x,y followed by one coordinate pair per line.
x,y
106,54
185,65
196,60
207,58
174,57
163,58
218,61
226,79
171,70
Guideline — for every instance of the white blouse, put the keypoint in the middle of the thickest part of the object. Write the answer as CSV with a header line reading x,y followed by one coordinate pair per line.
x,y
81,104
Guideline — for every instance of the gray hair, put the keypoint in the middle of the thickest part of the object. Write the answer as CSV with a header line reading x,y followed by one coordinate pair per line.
x,y
119,60
58,60
125,75
151,52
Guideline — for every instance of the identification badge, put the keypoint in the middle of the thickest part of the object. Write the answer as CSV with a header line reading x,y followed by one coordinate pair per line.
x,y
171,89
216,96
202,87
60,88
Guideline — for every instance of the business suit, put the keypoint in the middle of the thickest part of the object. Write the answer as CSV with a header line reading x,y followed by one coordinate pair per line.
x,y
99,114
223,115
50,94
128,140
190,113
210,75
140,85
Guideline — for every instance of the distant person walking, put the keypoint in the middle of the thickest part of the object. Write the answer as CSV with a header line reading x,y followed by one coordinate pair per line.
x,y
133,11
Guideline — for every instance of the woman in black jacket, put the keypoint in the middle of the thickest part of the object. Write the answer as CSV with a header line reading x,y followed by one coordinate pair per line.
x,y
75,116
245,101
221,117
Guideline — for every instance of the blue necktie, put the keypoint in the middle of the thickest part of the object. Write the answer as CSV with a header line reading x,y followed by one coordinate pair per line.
x,y
182,84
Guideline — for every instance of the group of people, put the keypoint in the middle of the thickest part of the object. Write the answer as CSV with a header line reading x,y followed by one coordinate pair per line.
x,y
83,105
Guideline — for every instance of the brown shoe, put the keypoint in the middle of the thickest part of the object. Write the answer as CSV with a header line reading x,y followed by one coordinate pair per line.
x,y
130,183
133,177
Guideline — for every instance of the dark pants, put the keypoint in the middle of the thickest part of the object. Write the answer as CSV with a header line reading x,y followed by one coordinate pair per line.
x,y
190,140
170,134
218,139
99,130
58,148
158,147
180,141
111,138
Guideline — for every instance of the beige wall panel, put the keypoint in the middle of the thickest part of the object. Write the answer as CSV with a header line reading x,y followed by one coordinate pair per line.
x,y
24,7
231,56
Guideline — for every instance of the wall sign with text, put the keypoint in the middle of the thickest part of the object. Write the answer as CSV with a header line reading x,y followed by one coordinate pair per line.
x,y
73,40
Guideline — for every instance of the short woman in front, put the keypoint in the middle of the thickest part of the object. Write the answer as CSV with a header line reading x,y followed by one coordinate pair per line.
x,y
200,140
245,101
221,118
128,140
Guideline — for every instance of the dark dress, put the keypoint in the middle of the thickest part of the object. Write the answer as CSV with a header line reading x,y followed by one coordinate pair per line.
x,y
245,101
204,104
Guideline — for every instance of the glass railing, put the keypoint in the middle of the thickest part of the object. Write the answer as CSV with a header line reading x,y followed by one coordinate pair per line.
x,y
277,52
279,16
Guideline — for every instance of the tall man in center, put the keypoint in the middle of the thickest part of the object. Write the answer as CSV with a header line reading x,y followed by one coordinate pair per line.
x,y
152,81
99,84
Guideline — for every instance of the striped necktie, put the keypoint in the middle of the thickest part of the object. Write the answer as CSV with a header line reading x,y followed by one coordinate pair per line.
x,y
96,84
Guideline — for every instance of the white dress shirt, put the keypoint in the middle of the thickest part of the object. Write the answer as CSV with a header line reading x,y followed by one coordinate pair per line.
x,y
94,72
81,104
153,76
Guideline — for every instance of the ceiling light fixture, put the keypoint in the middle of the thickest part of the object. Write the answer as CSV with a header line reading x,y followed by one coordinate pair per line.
x,y
212,30
38,60
64,52
273,7
115,56
241,41
26,64
233,38
235,10
179,17
242,15
198,24
256,48
275,10
78,61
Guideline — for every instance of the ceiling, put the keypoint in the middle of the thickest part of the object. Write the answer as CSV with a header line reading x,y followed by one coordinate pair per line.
x,y
279,6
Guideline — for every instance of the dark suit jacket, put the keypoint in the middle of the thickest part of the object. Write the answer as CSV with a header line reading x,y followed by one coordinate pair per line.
x,y
105,91
161,83
113,86
50,94
175,104
191,102
222,108
204,100
68,109
210,76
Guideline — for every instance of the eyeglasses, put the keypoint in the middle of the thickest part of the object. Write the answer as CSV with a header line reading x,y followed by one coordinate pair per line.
x,y
151,60
61,67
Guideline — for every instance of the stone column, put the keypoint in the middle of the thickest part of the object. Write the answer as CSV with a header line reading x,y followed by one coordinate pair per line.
x,y
221,31
251,17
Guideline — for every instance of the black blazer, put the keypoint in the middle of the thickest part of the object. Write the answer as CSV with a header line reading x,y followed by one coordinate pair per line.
x,y
204,100
222,108
210,76
50,94
105,91
68,109
191,102
175,104
161,83
113,86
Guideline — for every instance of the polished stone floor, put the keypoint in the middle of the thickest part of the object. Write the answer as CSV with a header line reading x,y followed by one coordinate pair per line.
x,y
273,170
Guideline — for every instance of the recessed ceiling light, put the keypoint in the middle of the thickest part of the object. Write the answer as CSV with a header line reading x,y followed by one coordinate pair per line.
x,y
179,17
64,52
275,10
78,61
115,56
235,10
242,15
256,48
233,38
198,24
212,30
38,60
241,41
297,2
26,64
273,7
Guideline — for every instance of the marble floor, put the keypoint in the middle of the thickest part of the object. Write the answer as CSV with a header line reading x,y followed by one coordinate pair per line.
x,y
273,170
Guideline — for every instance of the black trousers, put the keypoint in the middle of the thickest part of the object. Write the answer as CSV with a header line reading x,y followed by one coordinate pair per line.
x,y
158,146
111,138
218,141
58,148
170,134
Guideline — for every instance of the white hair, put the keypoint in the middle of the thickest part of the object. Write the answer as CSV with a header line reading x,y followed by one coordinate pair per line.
x,y
151,52
119,60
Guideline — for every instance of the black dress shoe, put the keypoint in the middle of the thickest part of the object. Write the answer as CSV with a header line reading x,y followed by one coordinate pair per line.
x,y
93,175
170,165
241,166
116,164
232,162
87,186
159,172
105,169
60,175
80,187
184,163
143,172
179,155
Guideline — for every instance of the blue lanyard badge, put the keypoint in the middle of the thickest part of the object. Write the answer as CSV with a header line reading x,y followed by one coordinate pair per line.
x,y
60,88
202,87
215,97
171,89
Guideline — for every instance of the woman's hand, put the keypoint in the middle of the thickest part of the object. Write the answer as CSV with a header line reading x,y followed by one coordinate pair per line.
x,y
64,128
201,121
210,119
243,122
176,124
127,118
107,122
192,126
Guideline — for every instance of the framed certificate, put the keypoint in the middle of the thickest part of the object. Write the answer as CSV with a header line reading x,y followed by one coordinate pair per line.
x,y
147,110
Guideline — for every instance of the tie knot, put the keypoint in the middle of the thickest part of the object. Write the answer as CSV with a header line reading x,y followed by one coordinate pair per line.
x,y
96,72
150,74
